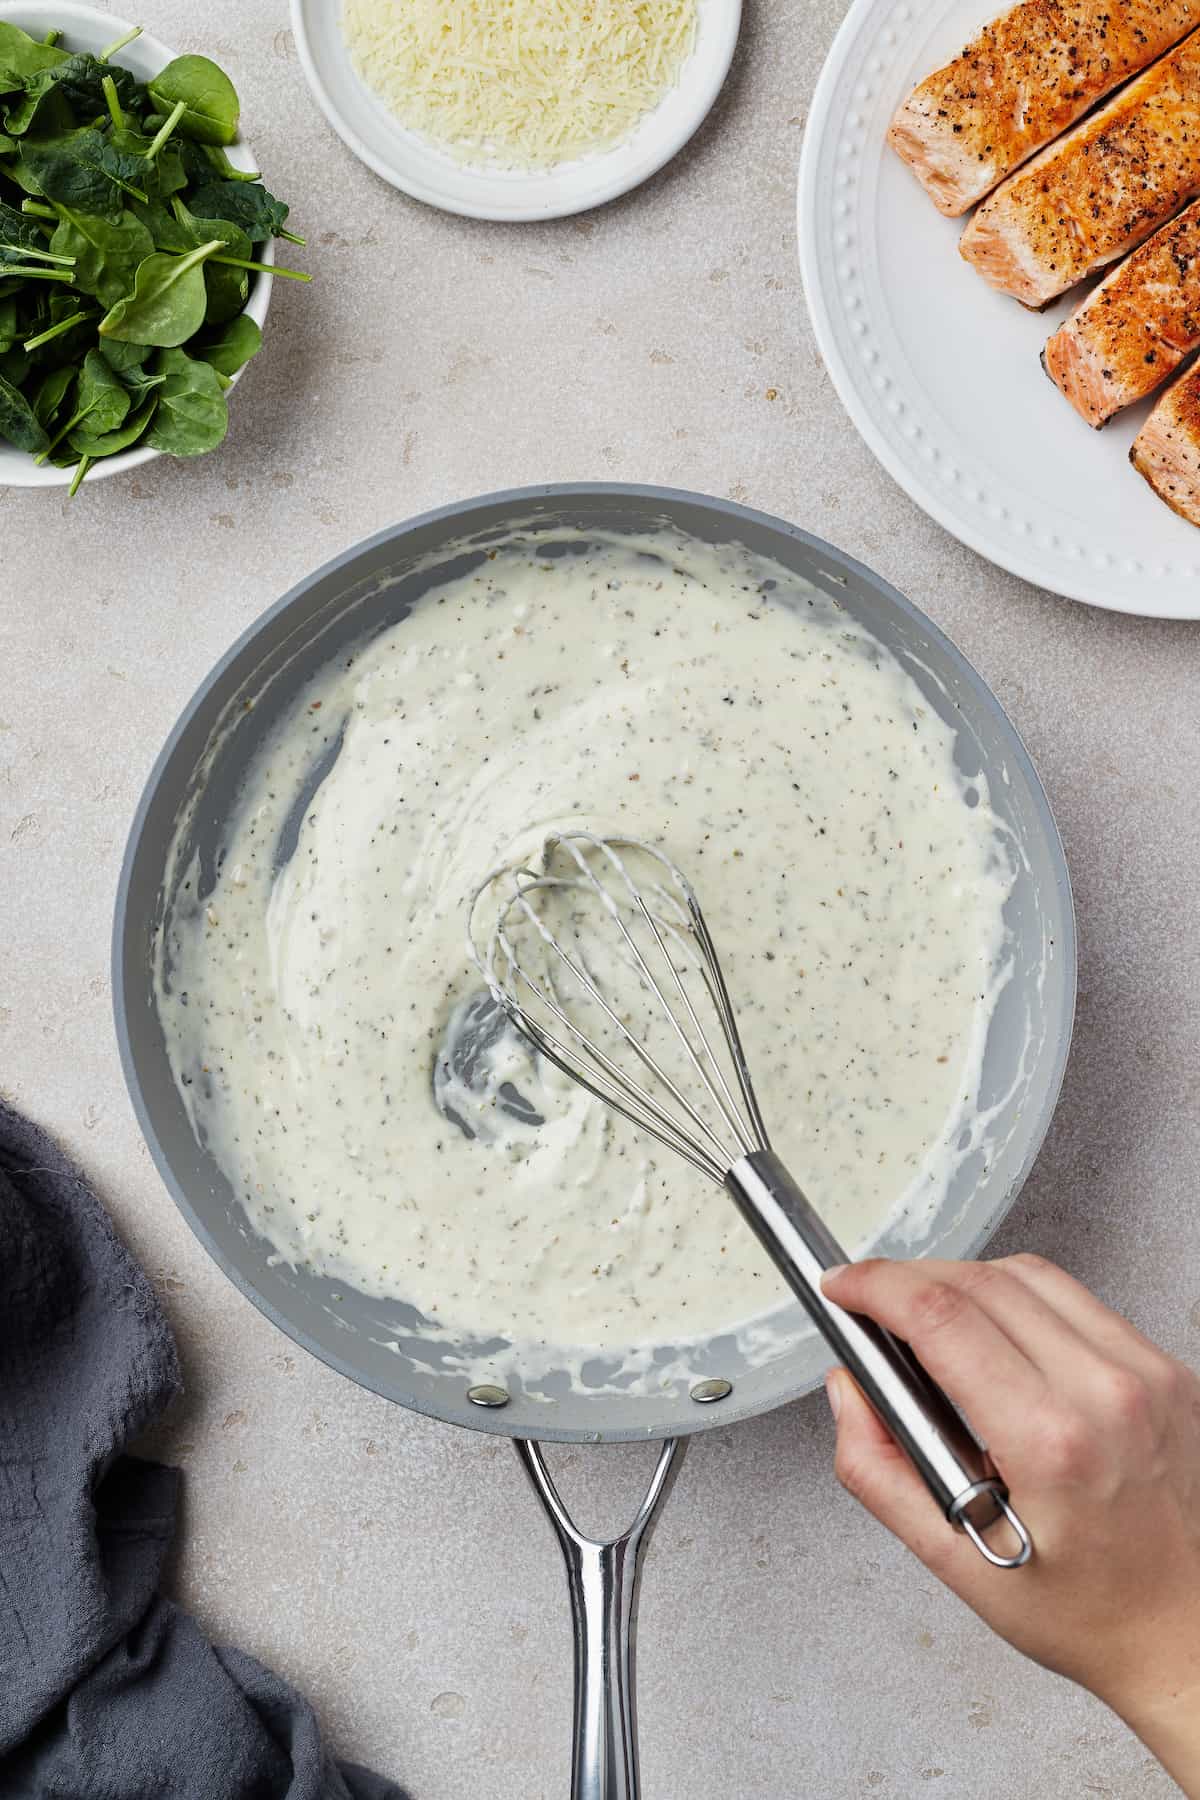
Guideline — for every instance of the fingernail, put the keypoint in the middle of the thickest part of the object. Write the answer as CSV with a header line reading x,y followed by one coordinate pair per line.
x,y
833,1389
831,1274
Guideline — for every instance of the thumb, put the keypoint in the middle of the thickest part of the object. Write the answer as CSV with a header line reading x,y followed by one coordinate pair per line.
x,y
873,1469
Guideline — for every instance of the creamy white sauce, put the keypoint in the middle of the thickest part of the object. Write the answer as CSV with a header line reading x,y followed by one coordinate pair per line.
x,y
698,698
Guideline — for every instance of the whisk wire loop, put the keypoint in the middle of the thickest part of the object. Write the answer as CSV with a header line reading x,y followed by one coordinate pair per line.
x,y
622,1096
714,977
678,934
708,1067
612,1085
519,899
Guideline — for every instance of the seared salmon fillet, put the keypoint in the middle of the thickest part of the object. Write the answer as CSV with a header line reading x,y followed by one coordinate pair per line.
x,y
1026,77
1167,448
1088,199
1135,328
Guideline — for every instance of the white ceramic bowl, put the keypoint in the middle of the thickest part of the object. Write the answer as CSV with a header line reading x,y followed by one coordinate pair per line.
x,y
88,28
420,167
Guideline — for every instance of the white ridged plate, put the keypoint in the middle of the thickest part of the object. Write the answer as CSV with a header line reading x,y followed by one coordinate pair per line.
x,y
941,374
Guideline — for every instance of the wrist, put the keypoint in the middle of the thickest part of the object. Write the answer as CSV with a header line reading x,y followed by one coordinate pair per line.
x,y
1165,1714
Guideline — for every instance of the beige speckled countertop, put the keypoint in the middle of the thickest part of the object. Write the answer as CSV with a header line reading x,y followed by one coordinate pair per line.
x,y
396,1569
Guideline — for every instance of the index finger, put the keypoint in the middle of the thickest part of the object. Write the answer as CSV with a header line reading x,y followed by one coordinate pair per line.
x,y
930,1306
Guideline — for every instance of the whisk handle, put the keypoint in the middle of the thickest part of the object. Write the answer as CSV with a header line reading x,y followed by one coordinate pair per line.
x,y
920,1417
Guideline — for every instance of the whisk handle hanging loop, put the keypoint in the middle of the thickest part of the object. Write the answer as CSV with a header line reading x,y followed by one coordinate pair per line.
x,y
920,1417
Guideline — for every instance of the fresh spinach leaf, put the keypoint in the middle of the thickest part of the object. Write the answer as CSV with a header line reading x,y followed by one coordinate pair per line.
x,y
110,443
63,330
51,95
141,382
158,179
227,291
163,226
48,400
192,415
22,55
168,301
230,348
15,365
244,203
202,230
41,103
209,97
107,252
103,398
18,422
204,162
82,170
124,358
17,228
16,171
102,403
11,329
81,78
227,288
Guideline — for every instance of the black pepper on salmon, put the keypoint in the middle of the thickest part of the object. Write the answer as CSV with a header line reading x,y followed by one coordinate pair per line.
x,y
1028,76
1099,191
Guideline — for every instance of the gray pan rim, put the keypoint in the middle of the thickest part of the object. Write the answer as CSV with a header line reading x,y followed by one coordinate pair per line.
x,y
478,1418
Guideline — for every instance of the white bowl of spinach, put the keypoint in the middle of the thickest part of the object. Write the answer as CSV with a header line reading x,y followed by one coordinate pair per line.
x,y
136,247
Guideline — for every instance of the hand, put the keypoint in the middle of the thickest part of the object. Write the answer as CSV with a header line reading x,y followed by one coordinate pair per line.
x,y
1097,1434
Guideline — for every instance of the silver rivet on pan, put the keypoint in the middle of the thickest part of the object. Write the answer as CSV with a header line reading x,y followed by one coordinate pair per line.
x,y
705,1392
488,1396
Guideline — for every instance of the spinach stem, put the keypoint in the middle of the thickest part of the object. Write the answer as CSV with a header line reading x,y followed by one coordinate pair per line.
x,y
53,331
239,262
114,105
167,127
130,189
85,463
28,274
292,238
36,210
51,38
61,433
57,439
7,250
120,44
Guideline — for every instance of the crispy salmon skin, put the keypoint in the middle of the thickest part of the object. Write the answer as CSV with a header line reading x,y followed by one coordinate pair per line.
x,y
1097,192
1167,448
1026,77
1135,329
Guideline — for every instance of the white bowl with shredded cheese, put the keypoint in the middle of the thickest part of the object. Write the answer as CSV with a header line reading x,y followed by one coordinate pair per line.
x,y
515,109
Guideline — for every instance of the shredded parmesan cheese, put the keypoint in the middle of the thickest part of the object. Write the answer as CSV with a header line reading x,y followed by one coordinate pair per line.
x,y
527,83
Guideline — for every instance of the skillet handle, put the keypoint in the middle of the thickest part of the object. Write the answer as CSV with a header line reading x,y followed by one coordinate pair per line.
x,y
603,1580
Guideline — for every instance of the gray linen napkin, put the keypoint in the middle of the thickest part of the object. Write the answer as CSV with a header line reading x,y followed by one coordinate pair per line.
x,y
108,1691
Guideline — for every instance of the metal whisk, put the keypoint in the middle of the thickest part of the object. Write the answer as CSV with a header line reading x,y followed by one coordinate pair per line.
x,y
664,947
